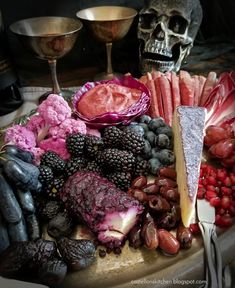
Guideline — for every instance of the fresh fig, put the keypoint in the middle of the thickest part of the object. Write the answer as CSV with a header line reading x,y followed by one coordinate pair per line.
x,y
78,254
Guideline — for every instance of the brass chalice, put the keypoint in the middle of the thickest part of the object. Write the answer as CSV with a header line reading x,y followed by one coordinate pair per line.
x,y
49,38
107,24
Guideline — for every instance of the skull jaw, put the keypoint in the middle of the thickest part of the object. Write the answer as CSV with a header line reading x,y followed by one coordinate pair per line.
x,y
147,64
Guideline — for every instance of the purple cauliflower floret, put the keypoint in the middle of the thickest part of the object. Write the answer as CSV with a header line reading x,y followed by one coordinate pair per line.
x,y
54,110
37,152
56,145
94,132
108,211
68,126
38,125
20,136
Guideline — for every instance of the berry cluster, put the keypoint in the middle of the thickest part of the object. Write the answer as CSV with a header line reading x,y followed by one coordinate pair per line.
x,y
217,185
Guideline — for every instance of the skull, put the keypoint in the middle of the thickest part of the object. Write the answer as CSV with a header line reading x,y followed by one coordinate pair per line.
x,y
166,31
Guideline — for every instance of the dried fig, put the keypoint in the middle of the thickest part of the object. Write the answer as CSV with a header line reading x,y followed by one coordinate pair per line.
x,y
77,254
52,273
16,257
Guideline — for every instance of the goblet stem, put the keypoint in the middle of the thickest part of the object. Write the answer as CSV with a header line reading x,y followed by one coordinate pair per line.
x,y
56,88
109,60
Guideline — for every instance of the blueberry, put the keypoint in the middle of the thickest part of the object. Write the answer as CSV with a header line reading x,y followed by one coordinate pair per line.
x,y
154,165
154,152
145,119
147,150
144,126
137,129
151,137
165,130
166,156
163,141
156,123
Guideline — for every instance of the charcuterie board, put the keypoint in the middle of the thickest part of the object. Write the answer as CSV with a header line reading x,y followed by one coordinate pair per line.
x,y
142,266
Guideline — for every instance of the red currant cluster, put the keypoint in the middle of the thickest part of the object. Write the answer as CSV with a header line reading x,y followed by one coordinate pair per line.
x,y
221,144
217,185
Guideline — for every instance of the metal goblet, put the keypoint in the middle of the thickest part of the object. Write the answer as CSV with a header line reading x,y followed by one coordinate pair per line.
x,y
107,24
48,38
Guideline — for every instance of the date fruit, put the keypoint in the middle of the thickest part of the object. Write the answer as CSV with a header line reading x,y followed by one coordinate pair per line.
x,y
149,235
139,182
184,236
167,242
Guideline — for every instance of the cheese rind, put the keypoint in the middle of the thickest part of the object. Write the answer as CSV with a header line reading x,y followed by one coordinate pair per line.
x,y
188,129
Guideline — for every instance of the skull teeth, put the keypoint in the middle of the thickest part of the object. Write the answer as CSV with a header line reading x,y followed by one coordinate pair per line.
x,y
160,51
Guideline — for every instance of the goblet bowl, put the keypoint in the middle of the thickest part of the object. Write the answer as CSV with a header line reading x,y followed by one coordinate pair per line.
x,y
108,23
47,37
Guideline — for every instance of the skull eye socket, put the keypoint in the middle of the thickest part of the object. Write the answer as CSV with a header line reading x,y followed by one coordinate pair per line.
x,y
178,24
147,21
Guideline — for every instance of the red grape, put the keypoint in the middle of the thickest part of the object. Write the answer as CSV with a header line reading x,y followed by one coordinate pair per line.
x,y
214,134
229,161
223,148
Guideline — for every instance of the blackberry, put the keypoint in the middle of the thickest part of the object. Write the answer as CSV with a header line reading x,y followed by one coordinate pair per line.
x,y
116,160
75,144
93,145
142,167
132,142
46,174
112,137
121,179
75,164
53,189
53,160
93,166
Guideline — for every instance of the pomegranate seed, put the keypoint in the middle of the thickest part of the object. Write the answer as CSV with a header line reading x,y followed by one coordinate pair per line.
x,y
204,166
200,181
201,193
224,221
231,210
219,183
225,202
227,181
210,194
215,202
232,177
211,180
226,191
211,187
221,174
194,228
220,211
205,182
